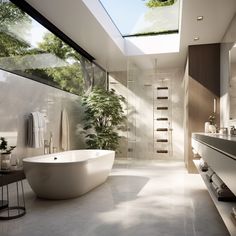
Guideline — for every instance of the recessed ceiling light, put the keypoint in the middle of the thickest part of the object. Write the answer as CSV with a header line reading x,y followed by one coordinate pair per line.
x,y
199,18
196,38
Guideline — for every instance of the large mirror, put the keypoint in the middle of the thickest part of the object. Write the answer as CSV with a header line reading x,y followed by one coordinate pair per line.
x,y
232,83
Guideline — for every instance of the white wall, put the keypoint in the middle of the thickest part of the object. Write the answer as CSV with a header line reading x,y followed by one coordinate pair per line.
x,y
20,96
227,43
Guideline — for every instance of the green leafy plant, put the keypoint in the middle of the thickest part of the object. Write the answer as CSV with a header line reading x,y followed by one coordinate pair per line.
x,y
4,148
159,3
104,116
212,119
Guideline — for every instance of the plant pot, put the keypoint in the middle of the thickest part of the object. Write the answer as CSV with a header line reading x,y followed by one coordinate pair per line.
x,y
5,161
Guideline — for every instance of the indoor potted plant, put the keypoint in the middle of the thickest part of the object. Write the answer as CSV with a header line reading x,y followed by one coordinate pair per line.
x,y
104,116
5,154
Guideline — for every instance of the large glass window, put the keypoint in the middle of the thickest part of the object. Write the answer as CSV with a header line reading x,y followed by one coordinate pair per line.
x,y
143,17
29,49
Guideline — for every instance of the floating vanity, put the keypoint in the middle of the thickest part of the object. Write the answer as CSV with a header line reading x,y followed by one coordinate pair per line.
x,y
219,151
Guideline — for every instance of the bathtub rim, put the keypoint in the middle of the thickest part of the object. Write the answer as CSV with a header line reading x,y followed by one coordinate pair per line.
x,y
36,159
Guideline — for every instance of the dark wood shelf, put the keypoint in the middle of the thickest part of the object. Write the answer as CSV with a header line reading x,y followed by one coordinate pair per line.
x,y
8,177
162,88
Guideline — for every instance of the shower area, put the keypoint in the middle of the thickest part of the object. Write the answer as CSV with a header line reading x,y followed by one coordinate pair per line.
x,y
151,101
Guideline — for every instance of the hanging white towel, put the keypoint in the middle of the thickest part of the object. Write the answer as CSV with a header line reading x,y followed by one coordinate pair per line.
x,y
30,130
36,129
65,133
217,180
42,126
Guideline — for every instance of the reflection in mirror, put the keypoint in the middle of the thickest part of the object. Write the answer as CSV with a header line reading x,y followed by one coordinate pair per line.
x,y
29,49
232,91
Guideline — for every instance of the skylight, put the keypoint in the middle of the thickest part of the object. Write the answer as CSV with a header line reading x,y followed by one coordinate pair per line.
x,y
143,17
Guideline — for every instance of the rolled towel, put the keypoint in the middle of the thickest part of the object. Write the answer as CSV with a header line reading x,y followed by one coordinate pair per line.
x,y
225,193
214,186
217,180
203,165
209,174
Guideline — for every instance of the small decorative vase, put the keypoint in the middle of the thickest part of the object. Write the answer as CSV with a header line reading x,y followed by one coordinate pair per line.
x,y
207,124
5,161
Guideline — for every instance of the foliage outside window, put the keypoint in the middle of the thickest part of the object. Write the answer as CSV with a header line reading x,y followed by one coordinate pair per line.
x,y
28,49
159,3
144,17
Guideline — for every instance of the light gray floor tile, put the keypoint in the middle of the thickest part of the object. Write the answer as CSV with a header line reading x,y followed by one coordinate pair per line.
x,y
142,198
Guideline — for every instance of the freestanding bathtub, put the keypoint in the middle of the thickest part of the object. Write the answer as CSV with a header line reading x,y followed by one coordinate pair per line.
x,y
68,174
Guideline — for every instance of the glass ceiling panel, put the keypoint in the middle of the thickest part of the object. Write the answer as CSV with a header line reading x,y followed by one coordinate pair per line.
x,y
143,17
27,48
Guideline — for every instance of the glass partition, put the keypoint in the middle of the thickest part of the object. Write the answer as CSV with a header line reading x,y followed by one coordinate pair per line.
x,y
27,48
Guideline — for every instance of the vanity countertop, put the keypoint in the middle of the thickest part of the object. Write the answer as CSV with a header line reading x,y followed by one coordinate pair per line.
x,y
224,143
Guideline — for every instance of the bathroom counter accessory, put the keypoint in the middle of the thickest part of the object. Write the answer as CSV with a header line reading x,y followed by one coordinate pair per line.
x,y
12,212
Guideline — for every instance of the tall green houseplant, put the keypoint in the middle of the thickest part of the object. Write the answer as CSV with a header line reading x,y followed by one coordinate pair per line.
x,y
104,116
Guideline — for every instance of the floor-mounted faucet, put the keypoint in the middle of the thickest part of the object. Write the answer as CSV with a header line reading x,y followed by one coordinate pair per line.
x,y
48,145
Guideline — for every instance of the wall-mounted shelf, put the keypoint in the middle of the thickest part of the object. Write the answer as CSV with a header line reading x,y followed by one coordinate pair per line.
x,y
162,151
162,88
162,129
162,140
162,114
162,119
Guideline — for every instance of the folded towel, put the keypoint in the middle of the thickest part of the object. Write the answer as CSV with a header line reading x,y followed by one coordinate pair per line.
x,y
203,165
209,174
42,127
216,179
225,193
214,186
36,129
65,131
30,131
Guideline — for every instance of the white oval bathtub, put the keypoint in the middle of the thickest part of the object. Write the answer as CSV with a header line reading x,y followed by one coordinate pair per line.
x,y
68,174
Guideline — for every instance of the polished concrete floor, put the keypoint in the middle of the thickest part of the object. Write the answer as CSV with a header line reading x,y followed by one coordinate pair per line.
x,y
139,199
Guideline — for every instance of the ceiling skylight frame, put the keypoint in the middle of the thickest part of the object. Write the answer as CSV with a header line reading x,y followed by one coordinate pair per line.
x,y
174,30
